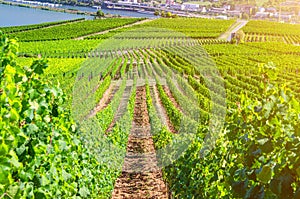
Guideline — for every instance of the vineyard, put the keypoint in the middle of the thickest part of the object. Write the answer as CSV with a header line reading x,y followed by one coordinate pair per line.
x,y
161,109
261,31
71,30
14,29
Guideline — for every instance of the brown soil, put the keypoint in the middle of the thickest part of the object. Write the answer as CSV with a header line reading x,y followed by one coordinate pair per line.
x,y
141,178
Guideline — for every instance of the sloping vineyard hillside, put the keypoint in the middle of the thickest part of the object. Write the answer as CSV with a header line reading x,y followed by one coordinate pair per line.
x,y
162,109
263,31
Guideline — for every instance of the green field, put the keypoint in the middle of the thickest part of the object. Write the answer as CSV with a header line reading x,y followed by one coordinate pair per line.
x,y
222,119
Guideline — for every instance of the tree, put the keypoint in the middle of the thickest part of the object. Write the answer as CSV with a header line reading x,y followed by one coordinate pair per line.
x,y
169,14
245,16
238,37
100,14
162,14
253,11
156,13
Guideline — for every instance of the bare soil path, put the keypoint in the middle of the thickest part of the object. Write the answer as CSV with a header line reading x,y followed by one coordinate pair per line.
x,y
161,109
141,178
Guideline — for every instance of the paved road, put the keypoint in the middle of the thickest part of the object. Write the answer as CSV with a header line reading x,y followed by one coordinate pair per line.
x,y
234,28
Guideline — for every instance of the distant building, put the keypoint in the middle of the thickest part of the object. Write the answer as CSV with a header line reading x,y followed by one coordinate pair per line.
x,y
271,10
261,9
262,15
176,6
291,3
285,16
169,2
218,10
191,7
203,9
128,1
227,7
244,8
234,13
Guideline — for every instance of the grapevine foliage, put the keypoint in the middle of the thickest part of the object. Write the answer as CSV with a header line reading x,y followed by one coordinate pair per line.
x,y
257,155
41,155
264,138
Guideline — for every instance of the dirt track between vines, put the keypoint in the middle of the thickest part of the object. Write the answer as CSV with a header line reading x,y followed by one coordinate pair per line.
x,y
169,124
141,178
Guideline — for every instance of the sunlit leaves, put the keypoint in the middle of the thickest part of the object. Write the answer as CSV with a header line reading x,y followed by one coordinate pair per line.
x,y
41,154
